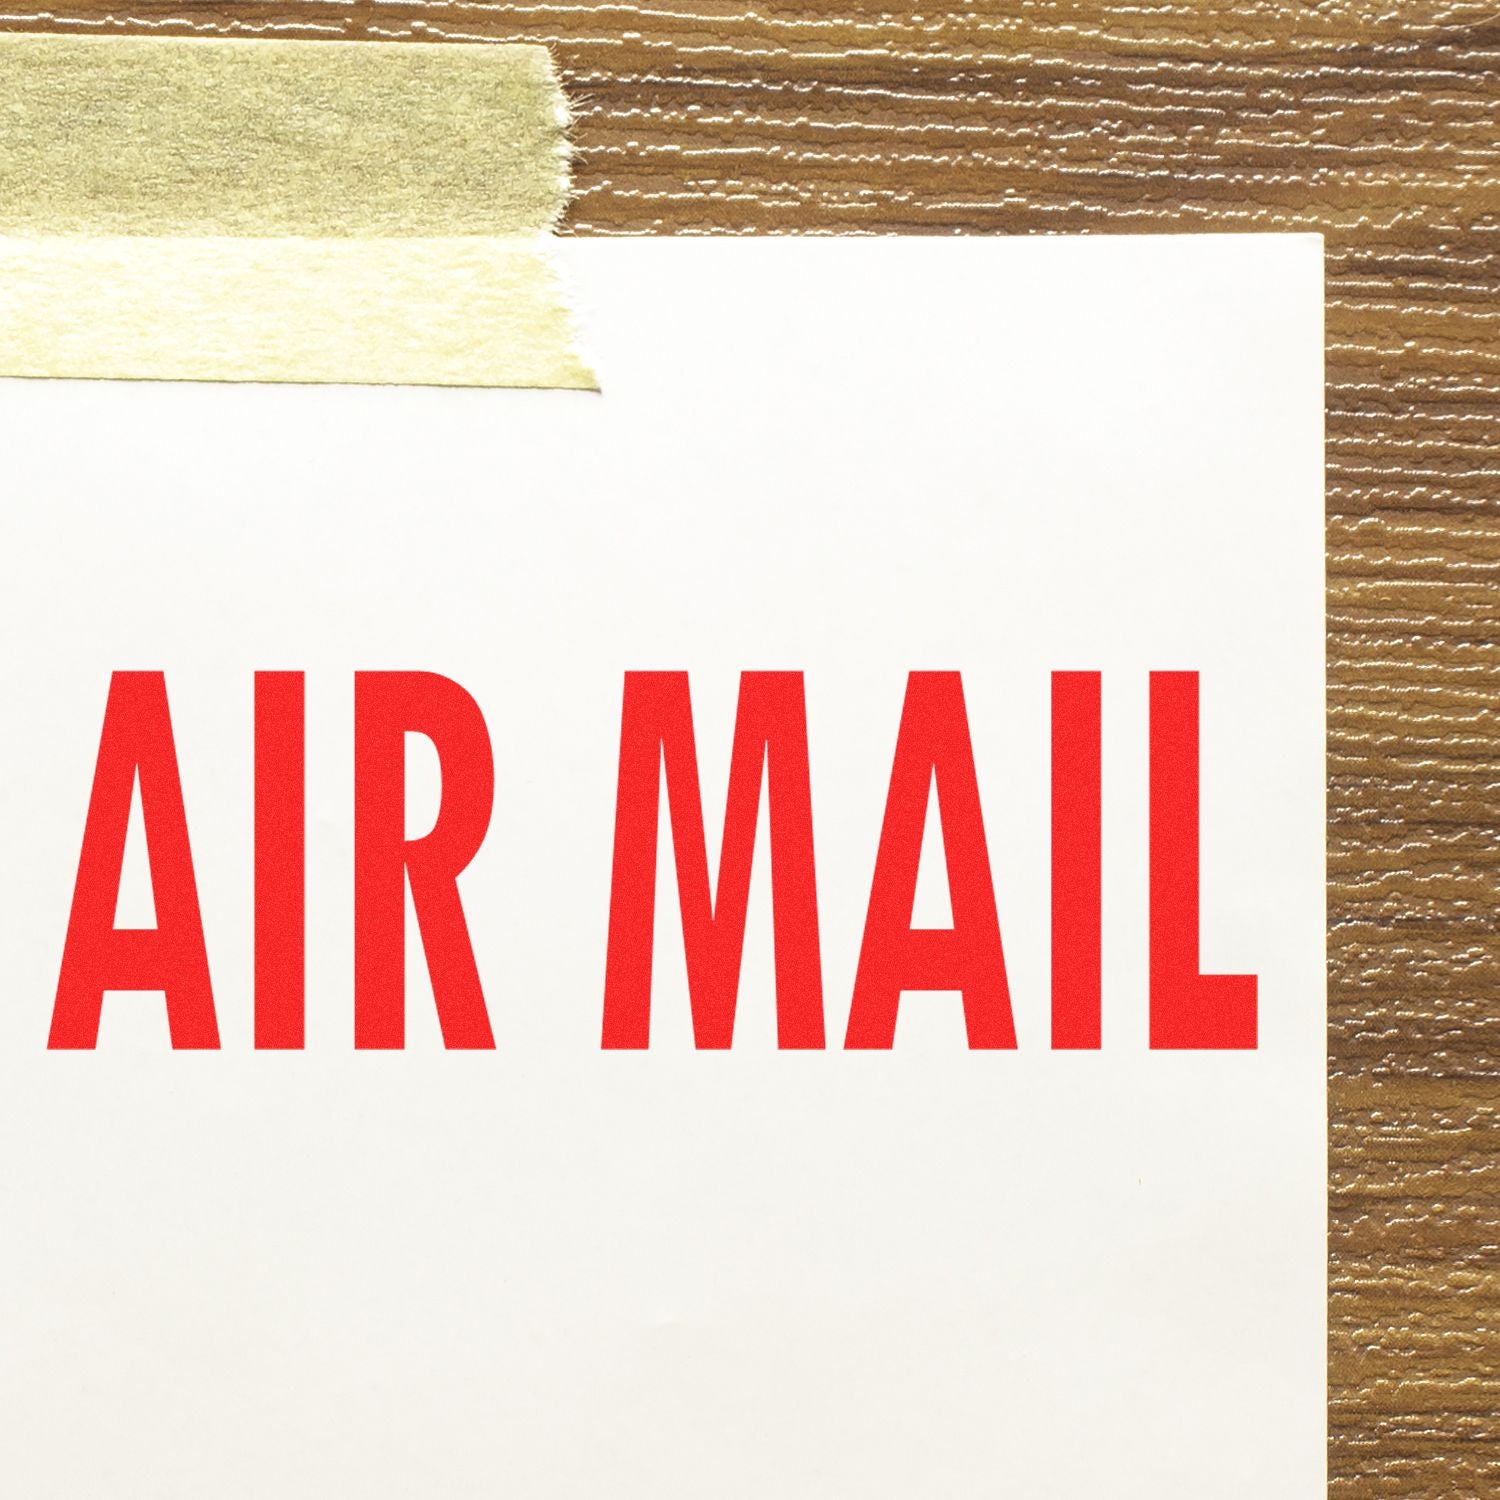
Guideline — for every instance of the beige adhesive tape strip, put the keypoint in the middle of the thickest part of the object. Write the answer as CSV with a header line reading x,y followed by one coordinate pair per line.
x,y
474,311
311,211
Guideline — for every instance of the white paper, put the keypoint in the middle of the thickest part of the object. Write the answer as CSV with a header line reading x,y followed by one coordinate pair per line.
x,y
551,1270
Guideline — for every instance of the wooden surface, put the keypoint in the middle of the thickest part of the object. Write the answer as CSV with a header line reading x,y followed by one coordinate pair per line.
x,y
1376,123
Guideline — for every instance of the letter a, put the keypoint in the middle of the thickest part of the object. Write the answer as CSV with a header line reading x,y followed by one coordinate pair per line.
x,y
136,741
932,746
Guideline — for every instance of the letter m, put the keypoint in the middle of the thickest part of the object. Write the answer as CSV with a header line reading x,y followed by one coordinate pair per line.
x,y
770,736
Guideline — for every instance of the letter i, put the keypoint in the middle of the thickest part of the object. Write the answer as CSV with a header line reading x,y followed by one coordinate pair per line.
x,y
280,860
1076,853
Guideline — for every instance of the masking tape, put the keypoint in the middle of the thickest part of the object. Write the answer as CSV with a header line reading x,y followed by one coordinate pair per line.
x,y
471,311
272,210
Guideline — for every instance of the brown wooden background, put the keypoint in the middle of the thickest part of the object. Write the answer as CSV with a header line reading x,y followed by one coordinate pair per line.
x,y
1376,123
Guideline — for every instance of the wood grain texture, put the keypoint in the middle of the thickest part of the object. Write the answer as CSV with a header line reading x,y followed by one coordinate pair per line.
x,y
1376,123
